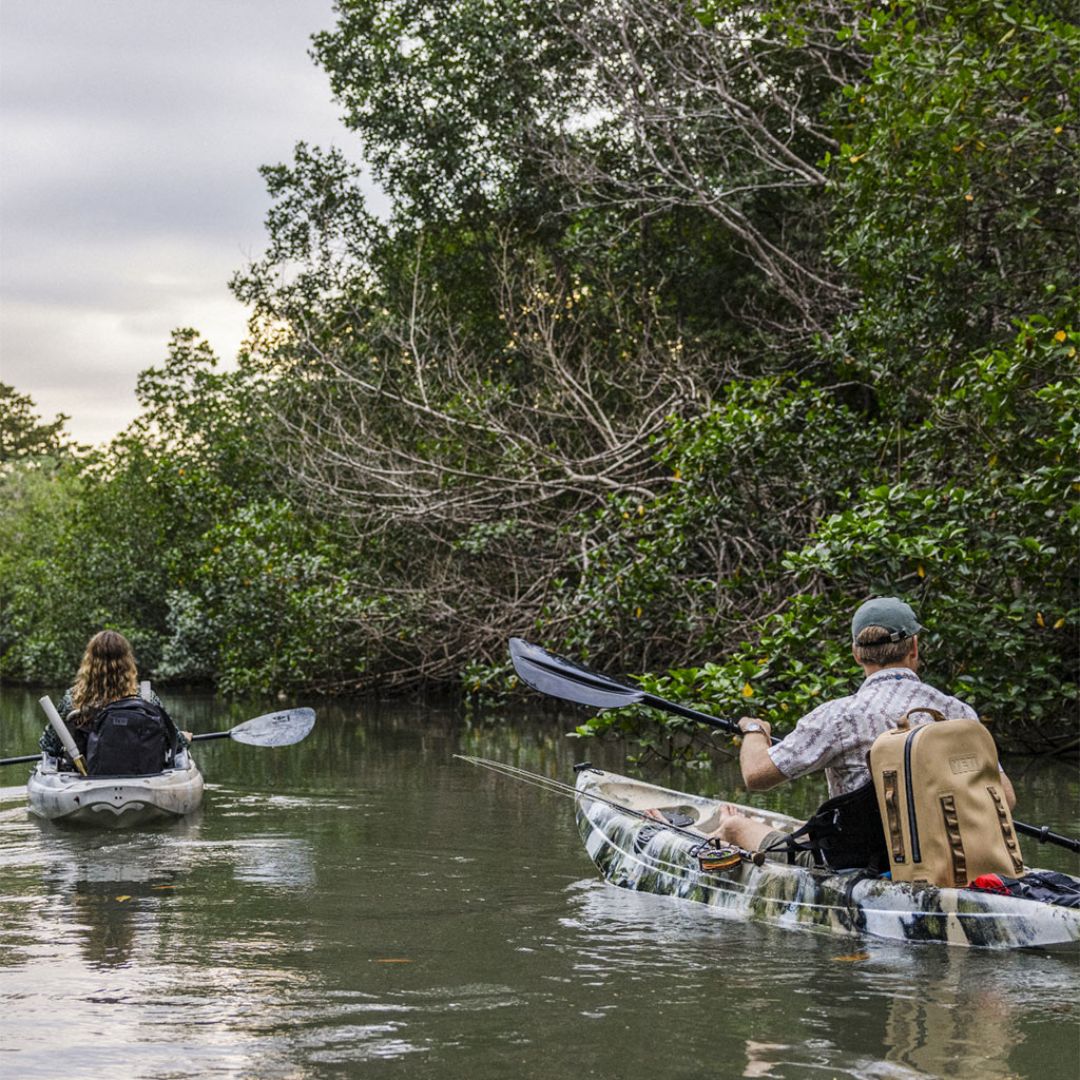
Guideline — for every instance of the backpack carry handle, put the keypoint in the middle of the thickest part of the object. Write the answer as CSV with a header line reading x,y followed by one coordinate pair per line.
x,y
904,723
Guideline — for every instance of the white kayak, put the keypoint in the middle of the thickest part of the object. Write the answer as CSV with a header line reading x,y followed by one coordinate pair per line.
x,y
114,801
635,853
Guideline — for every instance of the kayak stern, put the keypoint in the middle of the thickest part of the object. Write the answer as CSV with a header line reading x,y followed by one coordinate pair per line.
x,y
114,802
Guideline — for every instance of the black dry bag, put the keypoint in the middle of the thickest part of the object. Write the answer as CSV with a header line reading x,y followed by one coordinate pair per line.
x,y
130,737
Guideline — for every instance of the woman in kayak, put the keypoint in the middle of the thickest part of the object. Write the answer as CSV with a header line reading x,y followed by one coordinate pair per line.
x,y
108,675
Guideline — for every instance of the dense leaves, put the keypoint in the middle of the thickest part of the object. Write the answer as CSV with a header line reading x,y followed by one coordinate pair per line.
x,y
689,327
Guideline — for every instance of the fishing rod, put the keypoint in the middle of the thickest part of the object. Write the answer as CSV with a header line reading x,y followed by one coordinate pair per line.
x,y
708,853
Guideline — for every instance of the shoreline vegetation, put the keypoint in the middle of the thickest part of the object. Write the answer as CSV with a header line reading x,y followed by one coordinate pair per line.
x,y
690,327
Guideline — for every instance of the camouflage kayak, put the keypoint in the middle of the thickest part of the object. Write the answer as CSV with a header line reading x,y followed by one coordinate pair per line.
x,y
634,853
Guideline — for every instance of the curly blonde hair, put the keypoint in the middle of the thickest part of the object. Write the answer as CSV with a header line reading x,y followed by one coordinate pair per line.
x,y
107,673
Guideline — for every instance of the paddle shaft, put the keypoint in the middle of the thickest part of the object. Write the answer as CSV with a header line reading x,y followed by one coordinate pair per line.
x,y
692,714
37,757
571,681
1045,836
56,722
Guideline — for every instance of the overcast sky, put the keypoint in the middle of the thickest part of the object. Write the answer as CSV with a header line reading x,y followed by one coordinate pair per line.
x,y
131,133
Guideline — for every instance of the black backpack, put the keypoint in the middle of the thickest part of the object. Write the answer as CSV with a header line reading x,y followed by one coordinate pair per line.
x,y
130,737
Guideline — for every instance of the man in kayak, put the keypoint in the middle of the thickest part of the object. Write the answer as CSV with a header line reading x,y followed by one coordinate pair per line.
x,y
107,676
836,736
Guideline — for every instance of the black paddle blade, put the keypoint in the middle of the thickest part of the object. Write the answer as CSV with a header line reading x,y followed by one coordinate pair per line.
x,y
275,729
561,678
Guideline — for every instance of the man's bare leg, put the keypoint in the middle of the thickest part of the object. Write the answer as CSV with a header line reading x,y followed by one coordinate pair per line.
x,y
742,831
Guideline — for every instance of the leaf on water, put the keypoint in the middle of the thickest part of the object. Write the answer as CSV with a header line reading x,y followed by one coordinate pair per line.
x,y
121,899
852,958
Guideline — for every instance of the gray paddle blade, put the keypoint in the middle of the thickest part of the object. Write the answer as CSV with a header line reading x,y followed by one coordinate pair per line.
x,y
275,729
557,677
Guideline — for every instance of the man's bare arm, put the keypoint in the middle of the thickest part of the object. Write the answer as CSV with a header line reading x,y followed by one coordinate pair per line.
x,y
758,771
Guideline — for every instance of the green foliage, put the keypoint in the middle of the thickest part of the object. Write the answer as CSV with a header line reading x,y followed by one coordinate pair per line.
x,y
22,434
955,214
695,566
103,540
986,558
956,207
445,93
265,607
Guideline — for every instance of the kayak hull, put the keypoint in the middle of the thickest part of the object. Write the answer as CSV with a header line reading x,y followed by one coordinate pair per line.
x,y
633,853
114,802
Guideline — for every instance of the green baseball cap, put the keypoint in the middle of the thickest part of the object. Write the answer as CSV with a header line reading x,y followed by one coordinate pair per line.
x,y
891,613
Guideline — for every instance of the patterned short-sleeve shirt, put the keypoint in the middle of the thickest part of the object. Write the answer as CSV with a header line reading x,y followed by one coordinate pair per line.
x,y
837,735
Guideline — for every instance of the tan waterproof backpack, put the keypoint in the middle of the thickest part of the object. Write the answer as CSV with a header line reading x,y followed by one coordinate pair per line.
x,y
943,803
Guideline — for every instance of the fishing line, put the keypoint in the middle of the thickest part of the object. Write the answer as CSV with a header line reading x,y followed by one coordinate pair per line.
x,y
705,847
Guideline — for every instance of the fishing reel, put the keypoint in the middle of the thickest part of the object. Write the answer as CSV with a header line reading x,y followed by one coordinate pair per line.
x,y
713,859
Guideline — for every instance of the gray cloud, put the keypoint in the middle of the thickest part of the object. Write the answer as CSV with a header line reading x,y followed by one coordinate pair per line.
x,y
132,133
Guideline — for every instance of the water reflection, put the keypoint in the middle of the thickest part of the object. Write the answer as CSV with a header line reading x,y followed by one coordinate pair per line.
x,y
956,1031
117,893
793,1003
364,898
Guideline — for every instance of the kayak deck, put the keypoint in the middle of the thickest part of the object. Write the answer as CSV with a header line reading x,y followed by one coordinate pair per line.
x,y
114,802
634,853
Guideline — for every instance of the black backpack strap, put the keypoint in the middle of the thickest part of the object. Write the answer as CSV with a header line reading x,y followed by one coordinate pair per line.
x,y
792,845
172,733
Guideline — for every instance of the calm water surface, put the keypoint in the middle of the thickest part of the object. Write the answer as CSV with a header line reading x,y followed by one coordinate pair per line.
x,y
363,904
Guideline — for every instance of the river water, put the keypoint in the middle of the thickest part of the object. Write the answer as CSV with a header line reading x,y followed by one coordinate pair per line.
x,y
364,904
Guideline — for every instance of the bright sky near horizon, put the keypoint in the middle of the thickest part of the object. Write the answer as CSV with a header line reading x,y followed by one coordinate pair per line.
x,y
132,132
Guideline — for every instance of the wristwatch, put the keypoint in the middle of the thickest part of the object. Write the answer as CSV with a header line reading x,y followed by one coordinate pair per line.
x,y
754,726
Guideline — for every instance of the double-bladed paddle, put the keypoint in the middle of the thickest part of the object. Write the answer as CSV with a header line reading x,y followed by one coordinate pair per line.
x,y
558,677
273,729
